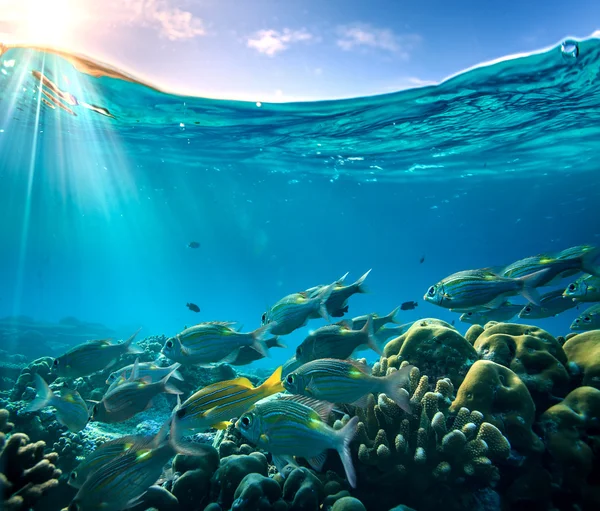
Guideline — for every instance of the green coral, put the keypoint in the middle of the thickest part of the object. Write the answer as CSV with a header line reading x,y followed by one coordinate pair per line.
x,y
503,399
583,353
435,347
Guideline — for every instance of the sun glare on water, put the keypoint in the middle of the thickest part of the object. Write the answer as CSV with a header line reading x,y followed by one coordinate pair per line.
x,y
47,22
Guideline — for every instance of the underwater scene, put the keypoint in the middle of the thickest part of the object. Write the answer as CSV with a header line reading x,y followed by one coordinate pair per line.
x,y
381,303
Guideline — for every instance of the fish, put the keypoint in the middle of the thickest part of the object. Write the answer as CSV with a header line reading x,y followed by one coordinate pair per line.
x,y
422,260
118,484
387,332
346,381
408,306
193,244
297,427
290,365
216,404
247,355
551,304
584,289
378,321
71,409
131,397
193,307
93,356
293,311
505,312
589,319
337,303
336,341
145,369
566,263
102,455
214,342
474,289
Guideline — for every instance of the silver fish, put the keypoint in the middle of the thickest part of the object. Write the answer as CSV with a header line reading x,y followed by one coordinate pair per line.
x,y
589,319
145,369
474,289
71,409
293,311
131,398
214,342
346,381
505,312
247,355
551,304
584,289
336,341
378,321
296,427
92,357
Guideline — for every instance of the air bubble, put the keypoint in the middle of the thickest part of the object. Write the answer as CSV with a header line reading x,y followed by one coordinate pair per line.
x,y
570,49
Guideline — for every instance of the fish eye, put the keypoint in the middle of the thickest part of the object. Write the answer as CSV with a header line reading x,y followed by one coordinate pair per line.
x,y
246,421
431,291
169,344
55,363
290,379
571,287
587,319
263,318
73,476
181,413
298,351
469,313
528,309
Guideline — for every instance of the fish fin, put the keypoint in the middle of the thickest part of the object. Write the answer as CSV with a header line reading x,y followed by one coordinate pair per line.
x,y
227,359
221,425
283,461
345,437
279,344
323,408
175,370
372,341
321,301
530,282
393,387
392,316
342,279
360,283
43,395
100,342
135,371
92,401
170,387
317,462
273,384
130,347
362,401
241,381
258,339
496,303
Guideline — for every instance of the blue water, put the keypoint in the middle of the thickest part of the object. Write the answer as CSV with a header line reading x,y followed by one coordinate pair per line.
x,y
497,163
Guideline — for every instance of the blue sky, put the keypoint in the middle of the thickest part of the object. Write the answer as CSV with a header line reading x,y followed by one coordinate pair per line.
x,y
287,50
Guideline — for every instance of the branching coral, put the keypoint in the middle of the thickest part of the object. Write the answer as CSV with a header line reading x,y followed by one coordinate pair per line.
x,y
27,474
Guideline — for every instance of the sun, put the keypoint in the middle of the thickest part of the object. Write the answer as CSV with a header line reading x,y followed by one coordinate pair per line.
x,y
48,22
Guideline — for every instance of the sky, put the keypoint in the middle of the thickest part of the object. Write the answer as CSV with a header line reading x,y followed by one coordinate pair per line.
x,y
278,50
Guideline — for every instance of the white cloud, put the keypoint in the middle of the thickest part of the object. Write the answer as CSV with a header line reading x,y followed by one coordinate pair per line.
x,y
364,36
270,42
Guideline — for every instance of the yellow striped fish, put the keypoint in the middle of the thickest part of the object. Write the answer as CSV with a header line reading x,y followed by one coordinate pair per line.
x,y
212,406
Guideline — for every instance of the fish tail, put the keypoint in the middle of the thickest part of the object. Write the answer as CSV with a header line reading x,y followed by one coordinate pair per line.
x,y
43,395
175,371
258,339
372,340
393,387
530,282
273,383
170,387
342,279
590,262
130,347
345,437
392,316
360,283
321,300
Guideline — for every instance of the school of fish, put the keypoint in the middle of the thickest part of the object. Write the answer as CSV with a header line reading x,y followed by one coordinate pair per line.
x,y
288,414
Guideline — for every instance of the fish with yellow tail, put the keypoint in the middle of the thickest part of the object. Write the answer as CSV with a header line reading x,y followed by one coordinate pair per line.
x,y
297,426
212,406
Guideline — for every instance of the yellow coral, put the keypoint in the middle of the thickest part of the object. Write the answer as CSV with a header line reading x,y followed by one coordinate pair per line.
x,y
503,399
583,353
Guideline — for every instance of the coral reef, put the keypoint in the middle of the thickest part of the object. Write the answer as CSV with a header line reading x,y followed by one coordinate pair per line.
x,y
499,394
435,347
531,353
27,474
583,354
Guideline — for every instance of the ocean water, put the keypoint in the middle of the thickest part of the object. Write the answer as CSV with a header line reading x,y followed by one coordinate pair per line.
x,y
497,163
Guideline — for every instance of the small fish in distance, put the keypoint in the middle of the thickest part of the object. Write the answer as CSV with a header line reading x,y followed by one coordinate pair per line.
x,y
422,260
193,307
408,306
193,244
